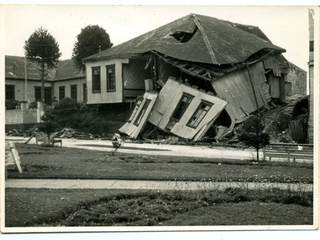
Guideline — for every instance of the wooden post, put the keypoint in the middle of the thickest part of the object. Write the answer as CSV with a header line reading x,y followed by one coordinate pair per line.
x,y
288,150
33,134
15,155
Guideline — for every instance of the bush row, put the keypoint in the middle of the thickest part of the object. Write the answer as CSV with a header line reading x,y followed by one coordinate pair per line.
x,y
95,119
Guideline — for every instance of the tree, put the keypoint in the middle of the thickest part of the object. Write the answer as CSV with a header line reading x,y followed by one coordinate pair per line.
x,y
251,133
42,49
91,40
49,125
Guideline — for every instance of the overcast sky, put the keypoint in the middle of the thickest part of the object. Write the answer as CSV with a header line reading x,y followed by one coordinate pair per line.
x,y
285,26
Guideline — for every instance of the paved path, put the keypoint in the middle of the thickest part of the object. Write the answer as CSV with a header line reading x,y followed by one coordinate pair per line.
x,y
152,185
153,149
147,149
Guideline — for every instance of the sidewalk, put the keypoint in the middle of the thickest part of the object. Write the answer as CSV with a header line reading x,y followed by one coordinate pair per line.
x,y
151,185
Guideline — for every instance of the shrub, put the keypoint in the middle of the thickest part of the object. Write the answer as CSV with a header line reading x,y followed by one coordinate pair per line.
x,y
251,133
33,105
67,103
302,200
48,126
11,104
94,119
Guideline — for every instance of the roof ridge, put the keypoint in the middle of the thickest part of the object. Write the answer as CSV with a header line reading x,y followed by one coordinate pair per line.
x,y
205,38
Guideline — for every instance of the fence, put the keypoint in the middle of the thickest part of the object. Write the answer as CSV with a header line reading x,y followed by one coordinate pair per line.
x,y
297,131
288,151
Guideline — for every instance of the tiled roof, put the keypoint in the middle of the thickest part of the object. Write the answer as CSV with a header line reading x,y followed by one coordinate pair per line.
x,y
15,68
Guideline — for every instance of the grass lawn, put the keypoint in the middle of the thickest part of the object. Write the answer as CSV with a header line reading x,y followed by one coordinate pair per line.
x,y
61,162
97,207
43,207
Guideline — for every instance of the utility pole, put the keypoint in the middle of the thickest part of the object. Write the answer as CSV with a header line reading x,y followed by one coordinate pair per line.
x,y
25,79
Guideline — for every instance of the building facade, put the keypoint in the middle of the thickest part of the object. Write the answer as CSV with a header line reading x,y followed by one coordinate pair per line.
x,y
311,76
22,81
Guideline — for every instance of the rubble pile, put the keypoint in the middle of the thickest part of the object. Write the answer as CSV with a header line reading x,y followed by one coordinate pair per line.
x,y
73,133
64,133
277,120
15,132
21,133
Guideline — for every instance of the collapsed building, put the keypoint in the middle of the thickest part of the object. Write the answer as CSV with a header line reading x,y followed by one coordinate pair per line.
x,y
189,76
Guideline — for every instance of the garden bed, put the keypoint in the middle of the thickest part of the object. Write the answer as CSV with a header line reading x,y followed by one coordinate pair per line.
x,y
53,208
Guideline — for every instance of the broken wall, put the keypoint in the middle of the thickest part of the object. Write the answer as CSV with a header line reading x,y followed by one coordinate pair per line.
x,y
237,89
140,115
168,103
134,74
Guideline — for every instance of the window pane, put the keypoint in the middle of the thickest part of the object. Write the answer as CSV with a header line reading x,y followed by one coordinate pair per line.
x,y
311,46
96,79
10,92
182,106
134,112
142,112
111,78
199,114
84,92
48,96
74,92
61,92
37,93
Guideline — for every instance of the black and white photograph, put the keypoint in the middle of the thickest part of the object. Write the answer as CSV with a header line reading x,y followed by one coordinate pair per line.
x,y
159,118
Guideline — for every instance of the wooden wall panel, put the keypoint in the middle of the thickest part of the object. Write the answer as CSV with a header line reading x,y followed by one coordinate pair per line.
x,y
132,130
103,96
236,88
274,86
167,101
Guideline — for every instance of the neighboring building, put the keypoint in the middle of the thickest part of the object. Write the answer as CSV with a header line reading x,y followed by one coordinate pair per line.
x,y
311,76
237,64
64,81
296,80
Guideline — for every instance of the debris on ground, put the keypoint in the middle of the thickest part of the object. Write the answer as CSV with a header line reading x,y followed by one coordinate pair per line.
x,y
15,132
277,120
73,133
